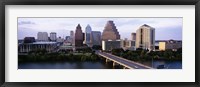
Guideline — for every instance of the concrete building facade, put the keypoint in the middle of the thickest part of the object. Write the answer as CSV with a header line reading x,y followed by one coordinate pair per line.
x,y
133,36
171,44
110,32
27,47
111,44
60,40
42,36
68,39
145,37
129,44
96,38
53,36
72,37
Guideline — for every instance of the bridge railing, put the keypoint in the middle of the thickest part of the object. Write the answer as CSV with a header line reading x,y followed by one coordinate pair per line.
x,y
116,61
125,60
131,61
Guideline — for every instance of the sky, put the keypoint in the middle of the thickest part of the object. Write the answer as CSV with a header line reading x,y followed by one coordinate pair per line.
x,y
165,28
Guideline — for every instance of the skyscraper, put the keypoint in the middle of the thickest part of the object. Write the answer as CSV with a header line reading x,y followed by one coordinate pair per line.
x,y
53,36
68,39
145,37
42,36
78,36
96,38
133,36
83,37
88,30
110,32
72,37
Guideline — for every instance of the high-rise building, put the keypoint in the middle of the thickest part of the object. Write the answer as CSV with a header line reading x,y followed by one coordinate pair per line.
x,y
145,37
83,37
42,36
133,36
68,39
72,37
96,38
110,32
109,45
88,31
78,36
53,36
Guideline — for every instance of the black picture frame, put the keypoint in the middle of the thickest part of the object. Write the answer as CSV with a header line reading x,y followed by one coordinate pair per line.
x,y
98,2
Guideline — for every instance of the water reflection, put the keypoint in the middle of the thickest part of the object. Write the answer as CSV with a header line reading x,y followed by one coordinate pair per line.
x,y
167,64
94,65
66,65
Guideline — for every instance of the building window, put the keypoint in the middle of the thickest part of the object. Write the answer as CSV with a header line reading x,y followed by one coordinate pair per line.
x,y
141,36
152,34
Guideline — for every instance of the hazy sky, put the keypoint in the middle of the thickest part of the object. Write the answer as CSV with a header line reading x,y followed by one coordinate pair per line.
x,y
165,28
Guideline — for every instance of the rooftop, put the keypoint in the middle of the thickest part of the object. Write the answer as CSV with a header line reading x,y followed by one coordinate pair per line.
x,y
44,42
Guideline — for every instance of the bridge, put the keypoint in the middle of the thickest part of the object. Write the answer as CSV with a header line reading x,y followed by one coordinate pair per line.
x,y
122,61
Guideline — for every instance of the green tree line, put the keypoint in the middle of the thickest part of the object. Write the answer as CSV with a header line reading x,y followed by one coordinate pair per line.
x,y
143,55
42,55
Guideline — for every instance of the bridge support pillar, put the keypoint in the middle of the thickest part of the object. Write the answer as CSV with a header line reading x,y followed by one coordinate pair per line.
x,y
114,64
124,67
107,60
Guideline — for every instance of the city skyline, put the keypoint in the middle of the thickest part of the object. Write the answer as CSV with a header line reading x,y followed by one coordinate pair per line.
x,y
166,28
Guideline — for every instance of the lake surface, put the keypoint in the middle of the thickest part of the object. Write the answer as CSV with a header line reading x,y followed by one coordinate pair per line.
x,y
93,65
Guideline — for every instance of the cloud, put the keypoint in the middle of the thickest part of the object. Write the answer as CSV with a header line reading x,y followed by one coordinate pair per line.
x,y
125,26
25,22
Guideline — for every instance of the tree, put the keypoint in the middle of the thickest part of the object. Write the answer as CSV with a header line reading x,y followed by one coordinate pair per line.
x,y
41,51
94,57
71,56
179,50
142,54
129,55
139,49
117,51
179,56
168,54
83,57
96,47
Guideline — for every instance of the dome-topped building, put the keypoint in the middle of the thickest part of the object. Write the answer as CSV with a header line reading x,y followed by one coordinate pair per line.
x,y
110,32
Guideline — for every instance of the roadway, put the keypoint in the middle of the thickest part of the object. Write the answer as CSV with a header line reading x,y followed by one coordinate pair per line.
x,y
123,61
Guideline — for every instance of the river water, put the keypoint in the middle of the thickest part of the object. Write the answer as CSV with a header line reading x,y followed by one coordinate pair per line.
x,y
167,64
92,65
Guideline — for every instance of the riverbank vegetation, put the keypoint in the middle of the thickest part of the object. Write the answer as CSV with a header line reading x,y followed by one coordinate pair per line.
x,y
41,55
145,55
